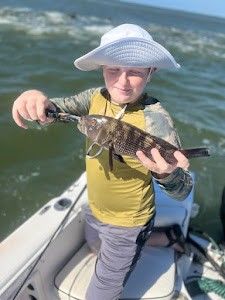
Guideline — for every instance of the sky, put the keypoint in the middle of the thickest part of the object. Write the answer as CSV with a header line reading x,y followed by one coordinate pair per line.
x,y
206,7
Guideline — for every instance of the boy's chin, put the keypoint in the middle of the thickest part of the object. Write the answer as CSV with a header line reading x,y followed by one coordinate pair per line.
x,y
123,99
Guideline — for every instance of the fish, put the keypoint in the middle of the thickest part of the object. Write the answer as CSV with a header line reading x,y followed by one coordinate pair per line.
x,y
122,138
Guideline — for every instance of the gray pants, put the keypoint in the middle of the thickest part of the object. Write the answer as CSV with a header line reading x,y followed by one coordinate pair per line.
x,y
118,249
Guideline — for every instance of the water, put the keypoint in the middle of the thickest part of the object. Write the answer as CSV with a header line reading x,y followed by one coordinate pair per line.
x,y
38,43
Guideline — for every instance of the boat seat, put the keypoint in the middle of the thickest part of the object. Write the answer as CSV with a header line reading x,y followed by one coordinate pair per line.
x,y
153,277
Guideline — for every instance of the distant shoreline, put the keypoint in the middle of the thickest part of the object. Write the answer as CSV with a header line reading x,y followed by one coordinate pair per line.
x,y
136,2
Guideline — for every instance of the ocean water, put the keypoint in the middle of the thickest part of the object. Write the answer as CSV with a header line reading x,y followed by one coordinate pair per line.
x,y
39,41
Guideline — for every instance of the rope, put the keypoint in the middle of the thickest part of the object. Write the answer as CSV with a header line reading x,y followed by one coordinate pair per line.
x,y
218,265
208,285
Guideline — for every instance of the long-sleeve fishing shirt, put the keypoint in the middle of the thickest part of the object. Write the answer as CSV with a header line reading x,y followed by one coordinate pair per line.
x,y
125,195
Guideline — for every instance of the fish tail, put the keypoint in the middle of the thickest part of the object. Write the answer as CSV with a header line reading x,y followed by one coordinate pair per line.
x,y
195,152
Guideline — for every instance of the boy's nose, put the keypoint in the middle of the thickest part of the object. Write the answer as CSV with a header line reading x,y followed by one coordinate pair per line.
x,y
123,79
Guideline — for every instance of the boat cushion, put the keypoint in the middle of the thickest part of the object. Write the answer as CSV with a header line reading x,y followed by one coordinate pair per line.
x,y
153,277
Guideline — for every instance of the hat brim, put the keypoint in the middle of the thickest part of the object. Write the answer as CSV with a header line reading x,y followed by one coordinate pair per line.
x,y
128,52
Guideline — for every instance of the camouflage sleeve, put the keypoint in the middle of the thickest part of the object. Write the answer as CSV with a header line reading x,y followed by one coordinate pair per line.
x,y
179,183
78,104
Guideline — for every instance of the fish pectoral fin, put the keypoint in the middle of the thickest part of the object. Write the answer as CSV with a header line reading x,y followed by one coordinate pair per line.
x,y
111,158
118,157
113,155
95,154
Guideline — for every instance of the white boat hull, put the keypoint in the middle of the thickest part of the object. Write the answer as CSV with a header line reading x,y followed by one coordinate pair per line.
x,y
62,269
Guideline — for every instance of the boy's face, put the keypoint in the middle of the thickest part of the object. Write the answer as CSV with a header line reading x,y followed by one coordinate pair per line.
x,y
125,84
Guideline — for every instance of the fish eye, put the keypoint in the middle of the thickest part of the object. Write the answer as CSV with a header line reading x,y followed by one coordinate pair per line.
x,y
93,122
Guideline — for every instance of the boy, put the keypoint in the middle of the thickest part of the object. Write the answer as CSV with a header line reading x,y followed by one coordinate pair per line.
x,y
121,203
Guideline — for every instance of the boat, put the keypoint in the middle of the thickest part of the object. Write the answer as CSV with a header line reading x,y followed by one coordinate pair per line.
x,y
47,258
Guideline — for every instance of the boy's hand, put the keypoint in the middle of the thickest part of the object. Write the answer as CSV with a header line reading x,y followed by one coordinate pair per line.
x,y
159,165
31,105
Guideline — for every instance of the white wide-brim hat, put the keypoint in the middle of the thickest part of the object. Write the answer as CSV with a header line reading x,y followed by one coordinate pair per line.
x,y
127,45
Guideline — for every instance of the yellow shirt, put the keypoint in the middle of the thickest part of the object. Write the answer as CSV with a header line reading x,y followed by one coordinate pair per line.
x,y
125,196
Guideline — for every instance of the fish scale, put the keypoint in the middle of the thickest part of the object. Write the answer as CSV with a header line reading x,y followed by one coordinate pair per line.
x,y
122,138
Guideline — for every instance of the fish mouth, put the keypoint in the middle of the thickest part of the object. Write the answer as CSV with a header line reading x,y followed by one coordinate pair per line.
x,y
81,127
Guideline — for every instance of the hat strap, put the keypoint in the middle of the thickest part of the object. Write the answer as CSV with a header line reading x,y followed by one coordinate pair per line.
x,y
151,71
121,113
